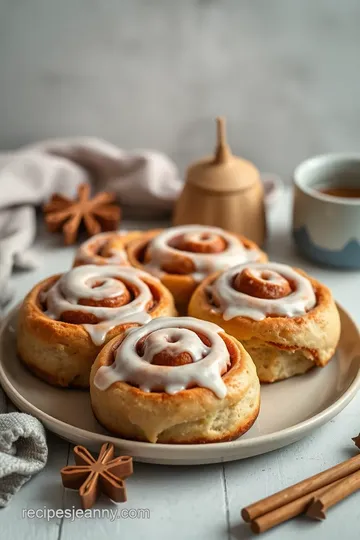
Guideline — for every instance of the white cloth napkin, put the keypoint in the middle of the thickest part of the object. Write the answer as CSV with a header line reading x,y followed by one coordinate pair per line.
x,y
146,181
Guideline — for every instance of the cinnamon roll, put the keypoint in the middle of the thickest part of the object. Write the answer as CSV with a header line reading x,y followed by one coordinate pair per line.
x,y
105,248
286,320
175,380
65,319
183,256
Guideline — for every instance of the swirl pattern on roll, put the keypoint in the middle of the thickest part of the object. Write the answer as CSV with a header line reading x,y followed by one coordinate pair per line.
x,y
99,298
103,248
258,290
196,250
170,354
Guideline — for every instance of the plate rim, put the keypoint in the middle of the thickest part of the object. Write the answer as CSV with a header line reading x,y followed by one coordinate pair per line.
x,y
186,451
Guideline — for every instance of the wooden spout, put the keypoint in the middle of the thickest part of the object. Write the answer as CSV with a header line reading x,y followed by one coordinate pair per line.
x,y
223,152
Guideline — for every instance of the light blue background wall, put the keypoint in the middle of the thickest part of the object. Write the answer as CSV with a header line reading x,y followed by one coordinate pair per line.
x,y
148,73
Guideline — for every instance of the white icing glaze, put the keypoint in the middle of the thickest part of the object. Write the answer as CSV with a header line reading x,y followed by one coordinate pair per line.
x,y
205,263
234,303
86,255
177,334
66,292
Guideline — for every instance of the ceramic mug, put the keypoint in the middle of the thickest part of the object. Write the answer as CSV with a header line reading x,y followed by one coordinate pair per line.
x,y
326,229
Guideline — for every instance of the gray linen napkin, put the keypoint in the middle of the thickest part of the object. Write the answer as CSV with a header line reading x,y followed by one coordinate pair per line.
x,y
145,181
23,450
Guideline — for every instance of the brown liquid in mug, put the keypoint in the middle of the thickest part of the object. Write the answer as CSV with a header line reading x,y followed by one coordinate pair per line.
x,y
343,192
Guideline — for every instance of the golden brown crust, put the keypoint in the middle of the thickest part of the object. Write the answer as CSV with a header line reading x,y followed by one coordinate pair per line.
x,y
99,248
191,416
182,285
62,353
280,346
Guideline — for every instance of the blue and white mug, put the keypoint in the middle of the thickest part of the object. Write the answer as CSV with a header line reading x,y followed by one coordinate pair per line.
x,y
326,229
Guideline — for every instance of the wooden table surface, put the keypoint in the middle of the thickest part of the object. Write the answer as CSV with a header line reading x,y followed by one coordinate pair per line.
x,y
204,501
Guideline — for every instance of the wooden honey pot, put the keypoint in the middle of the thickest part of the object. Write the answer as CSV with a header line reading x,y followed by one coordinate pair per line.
x,y
224,191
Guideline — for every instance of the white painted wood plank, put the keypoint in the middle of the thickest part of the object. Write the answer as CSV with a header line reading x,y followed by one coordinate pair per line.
x,y
42,491
184,503
258,477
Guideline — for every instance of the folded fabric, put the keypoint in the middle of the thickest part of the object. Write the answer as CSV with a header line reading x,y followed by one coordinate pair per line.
x,y
17,232
146,181
23,450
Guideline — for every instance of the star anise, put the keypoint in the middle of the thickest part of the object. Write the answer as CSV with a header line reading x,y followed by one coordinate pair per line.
x,y
104,475
97,214
357,441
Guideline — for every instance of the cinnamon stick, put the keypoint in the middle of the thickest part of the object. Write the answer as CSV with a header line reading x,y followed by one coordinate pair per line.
x,y
334,494
288,511
300,489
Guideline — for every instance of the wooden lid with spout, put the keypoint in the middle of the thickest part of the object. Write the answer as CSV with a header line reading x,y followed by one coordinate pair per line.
x,y
222,172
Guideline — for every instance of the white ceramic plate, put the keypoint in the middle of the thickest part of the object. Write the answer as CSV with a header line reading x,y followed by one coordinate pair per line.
x,y
289,409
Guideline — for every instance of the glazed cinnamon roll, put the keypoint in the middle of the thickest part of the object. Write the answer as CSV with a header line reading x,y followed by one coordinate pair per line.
x,y
183,256
105,248
286,320
65,319
175,380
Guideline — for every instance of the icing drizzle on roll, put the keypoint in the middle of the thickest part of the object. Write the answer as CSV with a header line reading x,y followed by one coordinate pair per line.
x,y
175,335
85,288
258,290
103,248
207,249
